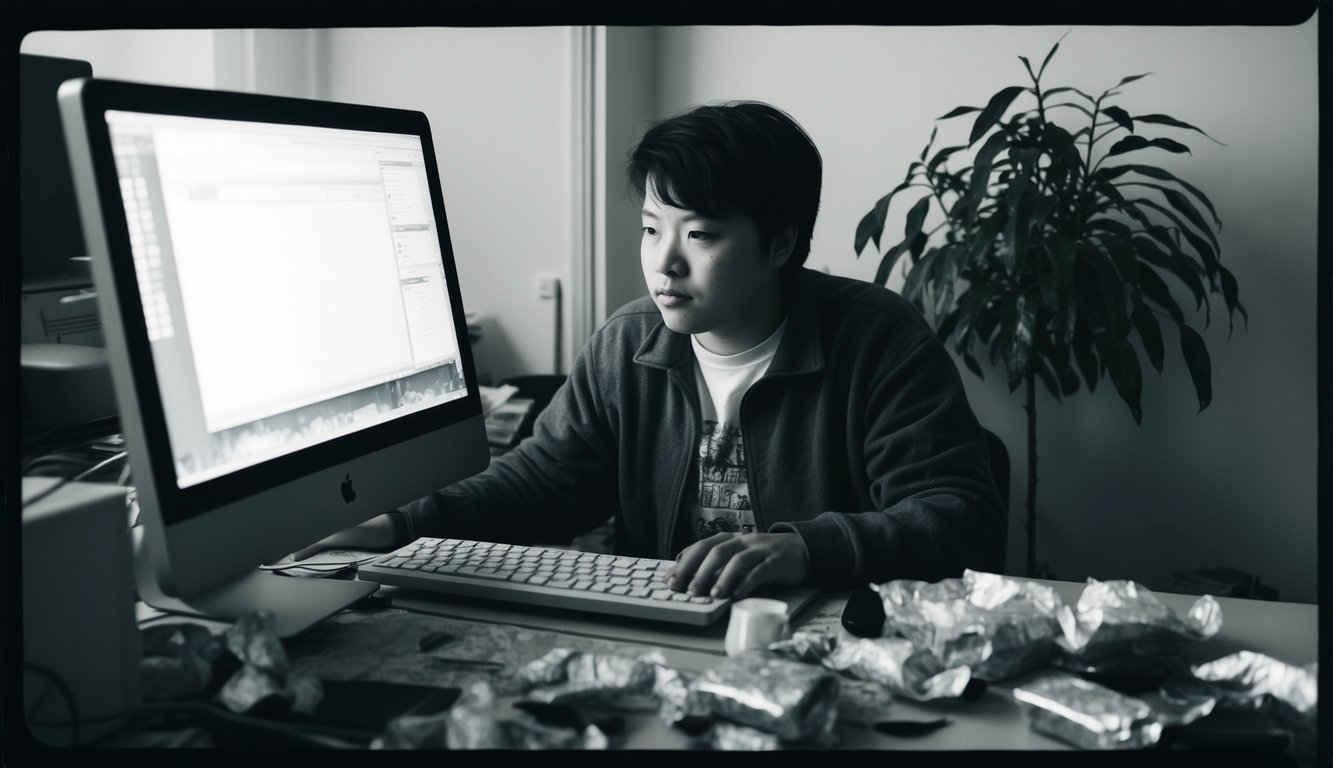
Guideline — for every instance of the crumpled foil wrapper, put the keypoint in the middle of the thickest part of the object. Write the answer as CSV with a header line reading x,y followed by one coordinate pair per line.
x,y
1121,623
1087,715
475,721
1246,681
794,701
895,662
177,661
809,646
997,626
265,670
730,737
570,676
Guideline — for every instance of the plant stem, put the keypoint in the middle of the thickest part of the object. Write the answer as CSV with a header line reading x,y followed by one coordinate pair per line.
x,y
1032,468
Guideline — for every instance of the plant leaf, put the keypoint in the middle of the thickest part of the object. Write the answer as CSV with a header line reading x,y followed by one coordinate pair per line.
x,y
973,365
1230,294
1171,121
1129,80
1200,365
1184,270
1150,333
931,142
1066,89
916,275
1086,356
1049,54
956,111
993,111
1116,171
1155,288
1132,143
1122,362
1120,116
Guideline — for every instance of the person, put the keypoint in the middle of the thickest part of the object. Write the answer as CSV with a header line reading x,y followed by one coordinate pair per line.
x,y
755,420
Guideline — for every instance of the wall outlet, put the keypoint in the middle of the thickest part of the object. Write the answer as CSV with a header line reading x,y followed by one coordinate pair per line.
x,y
548,287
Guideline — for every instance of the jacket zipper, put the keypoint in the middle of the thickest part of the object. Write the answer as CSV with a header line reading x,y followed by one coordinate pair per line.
x,y
691,446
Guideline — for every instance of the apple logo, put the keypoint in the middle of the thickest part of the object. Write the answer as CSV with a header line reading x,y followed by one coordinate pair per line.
x,y
349,493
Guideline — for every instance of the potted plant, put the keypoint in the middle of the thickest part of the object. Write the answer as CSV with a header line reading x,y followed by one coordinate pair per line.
x,y
1052,250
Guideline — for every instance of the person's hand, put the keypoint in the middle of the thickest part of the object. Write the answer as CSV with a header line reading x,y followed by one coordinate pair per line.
x,y
734,564
375,533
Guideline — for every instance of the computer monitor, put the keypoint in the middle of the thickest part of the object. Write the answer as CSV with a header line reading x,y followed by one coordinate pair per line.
x,y
50,235
286,332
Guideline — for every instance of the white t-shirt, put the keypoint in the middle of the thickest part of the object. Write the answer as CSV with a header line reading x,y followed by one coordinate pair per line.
x,y
720,501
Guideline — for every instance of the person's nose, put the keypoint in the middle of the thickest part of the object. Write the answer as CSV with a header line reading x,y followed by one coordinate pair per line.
x,y
668,258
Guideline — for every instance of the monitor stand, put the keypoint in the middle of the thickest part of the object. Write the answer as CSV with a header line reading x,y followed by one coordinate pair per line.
x,y
297,603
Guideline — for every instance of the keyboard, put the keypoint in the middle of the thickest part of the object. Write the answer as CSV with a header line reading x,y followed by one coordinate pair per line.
x,y
544,576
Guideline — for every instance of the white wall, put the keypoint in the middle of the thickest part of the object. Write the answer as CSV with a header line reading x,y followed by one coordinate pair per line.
x,y
1234,485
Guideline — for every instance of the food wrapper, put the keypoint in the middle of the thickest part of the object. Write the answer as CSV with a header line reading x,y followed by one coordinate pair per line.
x,y
476,721
265,671
1119,624
795,702
1087,715
569,676
1249,681
177,661
810,646
729,737
895,662
997,626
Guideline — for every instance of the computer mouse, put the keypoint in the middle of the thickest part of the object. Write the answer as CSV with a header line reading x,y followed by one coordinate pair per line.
x,y
863,615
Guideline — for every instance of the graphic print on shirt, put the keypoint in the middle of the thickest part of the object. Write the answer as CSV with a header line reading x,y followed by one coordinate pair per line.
x,y
723,493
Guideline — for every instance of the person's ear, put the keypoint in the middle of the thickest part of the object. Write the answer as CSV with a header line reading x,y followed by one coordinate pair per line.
x,y
781,245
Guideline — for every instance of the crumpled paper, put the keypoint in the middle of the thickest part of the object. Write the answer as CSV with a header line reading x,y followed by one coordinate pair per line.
x,y
997,626
1121,624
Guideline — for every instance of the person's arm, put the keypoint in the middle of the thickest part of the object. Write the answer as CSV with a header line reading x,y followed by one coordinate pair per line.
x,y
553,486
936,507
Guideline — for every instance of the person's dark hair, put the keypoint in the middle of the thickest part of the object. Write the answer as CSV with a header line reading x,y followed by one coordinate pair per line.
x,y
740,157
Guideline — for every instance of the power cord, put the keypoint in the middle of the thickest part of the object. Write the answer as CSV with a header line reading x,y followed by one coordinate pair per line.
x,y
76,478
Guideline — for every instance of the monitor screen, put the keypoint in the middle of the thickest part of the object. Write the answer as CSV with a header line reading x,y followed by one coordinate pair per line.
x,y
283,319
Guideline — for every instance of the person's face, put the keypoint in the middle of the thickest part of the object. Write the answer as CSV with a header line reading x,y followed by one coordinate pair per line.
x,y
712,278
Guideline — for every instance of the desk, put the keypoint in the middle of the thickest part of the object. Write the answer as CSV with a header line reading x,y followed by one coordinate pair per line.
x,y
383,646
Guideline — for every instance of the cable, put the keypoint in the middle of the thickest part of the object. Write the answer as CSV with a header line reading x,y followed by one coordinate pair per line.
x,y
329,567
59,682
82,475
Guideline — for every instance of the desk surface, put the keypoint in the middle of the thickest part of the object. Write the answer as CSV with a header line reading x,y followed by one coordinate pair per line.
x,y
383,646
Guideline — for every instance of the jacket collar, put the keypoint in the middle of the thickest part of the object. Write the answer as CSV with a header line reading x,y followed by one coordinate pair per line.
x,y
800,350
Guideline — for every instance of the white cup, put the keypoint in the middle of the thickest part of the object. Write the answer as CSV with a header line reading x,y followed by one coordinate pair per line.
x,y
755,622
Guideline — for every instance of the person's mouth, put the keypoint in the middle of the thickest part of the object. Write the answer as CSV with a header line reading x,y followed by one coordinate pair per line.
x,y
670,298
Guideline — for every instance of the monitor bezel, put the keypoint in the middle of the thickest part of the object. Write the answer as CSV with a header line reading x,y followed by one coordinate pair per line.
x,y
176,504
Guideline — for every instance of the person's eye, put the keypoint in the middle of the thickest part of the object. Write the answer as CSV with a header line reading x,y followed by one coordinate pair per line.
x,y
700,235
649,231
